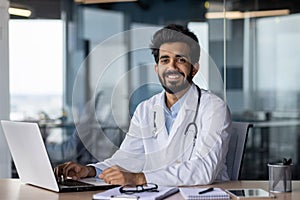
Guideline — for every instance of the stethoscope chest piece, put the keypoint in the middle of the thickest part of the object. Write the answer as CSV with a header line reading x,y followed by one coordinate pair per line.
x,y
154,131
158,120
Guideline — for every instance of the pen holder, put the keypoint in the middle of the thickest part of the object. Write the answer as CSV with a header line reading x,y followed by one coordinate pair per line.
x,y
280,177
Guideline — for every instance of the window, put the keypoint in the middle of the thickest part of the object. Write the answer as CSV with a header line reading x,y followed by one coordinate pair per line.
x,y
36,69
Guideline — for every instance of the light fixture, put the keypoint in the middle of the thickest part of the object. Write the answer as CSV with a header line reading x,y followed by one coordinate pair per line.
x,y
241,15
23,12
101,1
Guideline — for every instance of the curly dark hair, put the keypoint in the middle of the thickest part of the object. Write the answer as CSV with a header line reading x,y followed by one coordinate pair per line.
x,y
175,33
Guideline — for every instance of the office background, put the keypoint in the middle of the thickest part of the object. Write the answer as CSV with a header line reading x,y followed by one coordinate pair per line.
x,y
68,58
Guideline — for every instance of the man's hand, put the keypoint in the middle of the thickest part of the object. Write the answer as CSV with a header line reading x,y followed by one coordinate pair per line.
x,y
118,176
74,171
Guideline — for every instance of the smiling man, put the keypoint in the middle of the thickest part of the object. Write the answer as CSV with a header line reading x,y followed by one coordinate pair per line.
x,y
177,137
174,70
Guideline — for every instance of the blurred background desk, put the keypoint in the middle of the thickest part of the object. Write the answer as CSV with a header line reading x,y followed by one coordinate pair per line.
x,y
12,189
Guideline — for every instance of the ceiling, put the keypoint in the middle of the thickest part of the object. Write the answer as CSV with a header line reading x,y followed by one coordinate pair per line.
x,y
255,5
146,9
44,9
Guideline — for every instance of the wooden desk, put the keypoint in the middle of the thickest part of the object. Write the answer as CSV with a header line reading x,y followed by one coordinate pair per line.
x,y
12,189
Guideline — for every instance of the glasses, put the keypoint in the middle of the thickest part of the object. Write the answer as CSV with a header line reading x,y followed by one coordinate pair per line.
x,y
128,189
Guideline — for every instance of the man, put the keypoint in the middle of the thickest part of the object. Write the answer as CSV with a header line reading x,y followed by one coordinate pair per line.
x,y
177,137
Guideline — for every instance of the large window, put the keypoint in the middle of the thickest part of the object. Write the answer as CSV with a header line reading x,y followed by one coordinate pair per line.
x,y
36,69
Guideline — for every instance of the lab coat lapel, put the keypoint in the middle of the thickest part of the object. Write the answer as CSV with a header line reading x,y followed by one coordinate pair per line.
x,y
162,134
184,115
177,123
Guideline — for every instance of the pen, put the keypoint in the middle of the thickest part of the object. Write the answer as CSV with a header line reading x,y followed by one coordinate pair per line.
x,y
124,197
206,190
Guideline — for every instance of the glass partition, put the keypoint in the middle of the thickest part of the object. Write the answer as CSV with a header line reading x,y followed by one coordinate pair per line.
x,y
261,79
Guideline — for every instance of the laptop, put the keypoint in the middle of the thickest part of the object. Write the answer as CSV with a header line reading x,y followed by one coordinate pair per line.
x,y
33,165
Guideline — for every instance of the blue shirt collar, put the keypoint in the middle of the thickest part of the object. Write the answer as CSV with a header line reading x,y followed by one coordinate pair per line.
x,y
176,107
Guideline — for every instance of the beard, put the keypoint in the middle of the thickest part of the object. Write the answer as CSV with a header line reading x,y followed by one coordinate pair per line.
x,y
174,87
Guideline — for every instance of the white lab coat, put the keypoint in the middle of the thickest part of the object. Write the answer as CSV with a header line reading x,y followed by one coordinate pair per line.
x,y
163,157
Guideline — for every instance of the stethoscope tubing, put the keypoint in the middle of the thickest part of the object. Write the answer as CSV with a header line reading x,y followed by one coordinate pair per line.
x,y
193,123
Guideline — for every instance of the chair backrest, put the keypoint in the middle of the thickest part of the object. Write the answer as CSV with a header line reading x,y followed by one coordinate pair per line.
x,y
237,143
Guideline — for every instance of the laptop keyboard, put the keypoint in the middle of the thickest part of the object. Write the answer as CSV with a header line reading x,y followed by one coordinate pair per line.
x,y
70,182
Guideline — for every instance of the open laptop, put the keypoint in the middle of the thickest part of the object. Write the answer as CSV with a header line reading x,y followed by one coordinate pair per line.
x,y
32,162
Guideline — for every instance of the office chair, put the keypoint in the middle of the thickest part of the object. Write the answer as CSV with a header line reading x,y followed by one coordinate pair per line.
x,y
237,143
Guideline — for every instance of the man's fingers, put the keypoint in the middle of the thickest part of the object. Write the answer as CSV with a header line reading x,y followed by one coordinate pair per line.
x,y
72,170
112,175
67,169
58,171
119,176
107,170
112,169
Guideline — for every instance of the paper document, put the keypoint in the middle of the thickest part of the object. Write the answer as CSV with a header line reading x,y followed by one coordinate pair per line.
x,y
114,193
194,193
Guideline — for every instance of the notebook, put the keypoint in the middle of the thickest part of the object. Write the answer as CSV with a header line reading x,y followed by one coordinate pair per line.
x,y
114,193
32,162
193,194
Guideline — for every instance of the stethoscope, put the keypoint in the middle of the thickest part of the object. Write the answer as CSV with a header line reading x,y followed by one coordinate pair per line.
x,y
188,127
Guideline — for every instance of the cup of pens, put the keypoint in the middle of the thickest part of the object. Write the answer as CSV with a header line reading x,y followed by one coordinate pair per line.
x,y
280,176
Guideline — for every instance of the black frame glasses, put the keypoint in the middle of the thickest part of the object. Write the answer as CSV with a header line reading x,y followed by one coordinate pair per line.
x,y
128,189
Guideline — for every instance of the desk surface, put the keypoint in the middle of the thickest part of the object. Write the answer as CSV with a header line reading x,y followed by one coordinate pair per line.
x,y
12,189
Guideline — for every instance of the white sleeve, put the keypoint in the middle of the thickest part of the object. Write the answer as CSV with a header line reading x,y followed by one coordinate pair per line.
x,y
131,155
209,155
